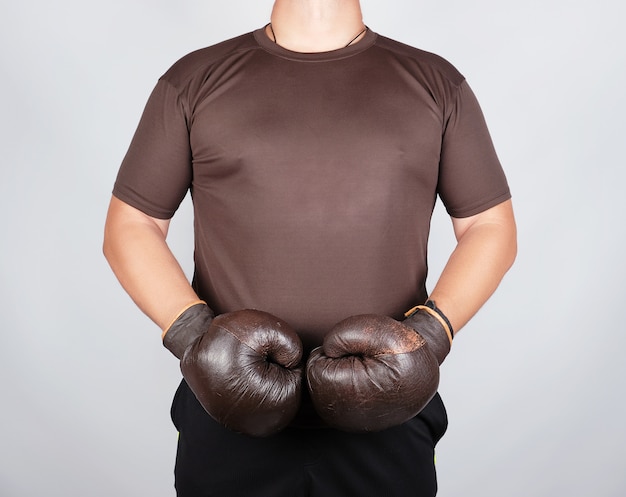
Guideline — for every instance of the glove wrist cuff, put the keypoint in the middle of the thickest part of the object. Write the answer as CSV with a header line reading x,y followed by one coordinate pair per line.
x,y
431,304
180,313
430,308
190,323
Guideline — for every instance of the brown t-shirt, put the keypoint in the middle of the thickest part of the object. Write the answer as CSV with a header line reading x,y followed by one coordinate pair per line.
x,y
313,176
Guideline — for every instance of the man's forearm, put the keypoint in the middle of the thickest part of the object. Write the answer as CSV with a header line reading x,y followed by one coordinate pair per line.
x,y
135,247
486,249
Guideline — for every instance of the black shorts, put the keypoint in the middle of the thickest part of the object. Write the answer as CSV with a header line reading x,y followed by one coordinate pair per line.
x,y
214,461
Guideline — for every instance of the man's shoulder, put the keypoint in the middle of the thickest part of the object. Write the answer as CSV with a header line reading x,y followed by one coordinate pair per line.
x,y
204,58
423,57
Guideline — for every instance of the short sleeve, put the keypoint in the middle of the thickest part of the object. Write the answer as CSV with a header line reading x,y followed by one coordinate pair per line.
x,y
156,172
471,178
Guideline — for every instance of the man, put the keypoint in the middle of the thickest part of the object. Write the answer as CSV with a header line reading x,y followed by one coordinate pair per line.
x,y
314,150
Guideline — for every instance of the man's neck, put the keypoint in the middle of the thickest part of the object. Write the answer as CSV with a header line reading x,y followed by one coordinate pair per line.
x,y
315,25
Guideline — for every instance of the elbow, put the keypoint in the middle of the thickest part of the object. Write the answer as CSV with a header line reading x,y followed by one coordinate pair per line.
x,y
511,247
512,252
111,237
113,241
107,248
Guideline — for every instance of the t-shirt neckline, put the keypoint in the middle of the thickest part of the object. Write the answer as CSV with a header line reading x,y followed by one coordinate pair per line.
x,y
267,44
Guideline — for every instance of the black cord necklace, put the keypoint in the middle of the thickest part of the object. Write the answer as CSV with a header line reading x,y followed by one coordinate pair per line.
x,y
346,46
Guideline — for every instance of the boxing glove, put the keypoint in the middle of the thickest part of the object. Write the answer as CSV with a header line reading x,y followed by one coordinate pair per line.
x,y
433,326
189,325
371,373
244,369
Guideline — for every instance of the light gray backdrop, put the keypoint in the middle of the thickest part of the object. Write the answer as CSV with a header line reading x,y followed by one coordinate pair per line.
x,y
535,385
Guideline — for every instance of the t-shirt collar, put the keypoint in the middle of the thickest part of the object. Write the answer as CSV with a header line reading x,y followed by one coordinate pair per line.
x,y
267,44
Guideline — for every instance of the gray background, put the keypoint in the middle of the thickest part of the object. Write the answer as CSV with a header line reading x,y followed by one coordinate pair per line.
x,y
535,385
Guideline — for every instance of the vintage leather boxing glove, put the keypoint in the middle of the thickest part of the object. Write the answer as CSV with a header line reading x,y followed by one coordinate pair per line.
x,y
433,326
244,367
189,325
371,373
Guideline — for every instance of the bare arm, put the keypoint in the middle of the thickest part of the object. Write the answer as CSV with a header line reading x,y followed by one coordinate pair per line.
x,y
486,248
135,247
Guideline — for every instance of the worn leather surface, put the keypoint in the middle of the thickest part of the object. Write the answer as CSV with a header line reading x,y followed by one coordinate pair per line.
x,y
192,323
431,330
371,373
246,371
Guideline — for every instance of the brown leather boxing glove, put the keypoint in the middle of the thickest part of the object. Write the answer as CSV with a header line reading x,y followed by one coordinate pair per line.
x,y
433,326
244,369
190,324
371,373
